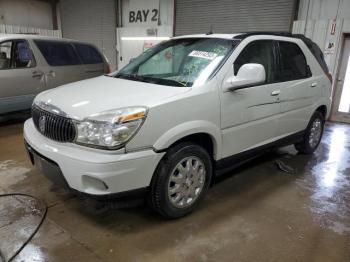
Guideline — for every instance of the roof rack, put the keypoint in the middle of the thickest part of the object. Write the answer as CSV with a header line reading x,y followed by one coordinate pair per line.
x,y
282,33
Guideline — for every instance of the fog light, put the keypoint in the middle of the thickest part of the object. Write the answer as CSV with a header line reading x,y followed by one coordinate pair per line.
x,y
94,183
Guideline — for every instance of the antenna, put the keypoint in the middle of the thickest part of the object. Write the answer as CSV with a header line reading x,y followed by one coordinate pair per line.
x,y
210,30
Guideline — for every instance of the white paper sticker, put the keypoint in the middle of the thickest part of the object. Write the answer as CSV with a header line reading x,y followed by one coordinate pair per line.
x,y
203,54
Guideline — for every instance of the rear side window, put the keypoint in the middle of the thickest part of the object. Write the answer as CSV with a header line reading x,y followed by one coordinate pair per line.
x,y
88,54
58,53
316,51
293,63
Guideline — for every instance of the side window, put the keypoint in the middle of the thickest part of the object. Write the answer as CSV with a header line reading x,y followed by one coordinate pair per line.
x,y
259,52
293,62
5,55
88,54
22,55
58,53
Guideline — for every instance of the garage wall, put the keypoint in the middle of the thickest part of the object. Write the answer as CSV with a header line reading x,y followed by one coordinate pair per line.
x,y
230,16
27,13
91,21
323,9
325,22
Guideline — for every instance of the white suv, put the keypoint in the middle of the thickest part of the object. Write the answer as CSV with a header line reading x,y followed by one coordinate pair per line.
x,y
180,113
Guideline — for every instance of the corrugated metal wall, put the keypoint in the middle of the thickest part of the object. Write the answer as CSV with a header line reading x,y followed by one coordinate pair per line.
x,y
15,29
229,16
91,21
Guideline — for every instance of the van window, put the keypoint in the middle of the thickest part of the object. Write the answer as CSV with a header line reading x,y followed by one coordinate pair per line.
x,y
5,55
22,55
259,52
58,53
88,54
293,62
16,54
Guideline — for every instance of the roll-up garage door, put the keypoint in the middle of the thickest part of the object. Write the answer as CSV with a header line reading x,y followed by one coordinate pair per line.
x,y
91,21
232,16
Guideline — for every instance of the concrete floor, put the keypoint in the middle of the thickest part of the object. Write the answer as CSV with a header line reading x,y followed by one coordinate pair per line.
x,y
256,213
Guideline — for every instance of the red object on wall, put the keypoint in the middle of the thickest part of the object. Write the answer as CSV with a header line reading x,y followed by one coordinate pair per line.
x,y
334,25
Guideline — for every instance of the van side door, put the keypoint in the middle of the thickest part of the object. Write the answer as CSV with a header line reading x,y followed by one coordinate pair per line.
x,y
297,89
63,64
21,78
249,115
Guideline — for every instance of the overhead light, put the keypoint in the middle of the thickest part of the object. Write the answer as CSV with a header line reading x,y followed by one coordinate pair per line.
x,y
142,38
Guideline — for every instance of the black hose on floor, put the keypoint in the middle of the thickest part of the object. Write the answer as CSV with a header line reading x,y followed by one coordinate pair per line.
x,y
34,232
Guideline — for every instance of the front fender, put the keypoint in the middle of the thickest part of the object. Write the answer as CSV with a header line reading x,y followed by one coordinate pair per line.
x,y
189,128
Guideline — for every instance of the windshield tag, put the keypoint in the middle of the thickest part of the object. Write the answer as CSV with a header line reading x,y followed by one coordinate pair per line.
x,y
203,54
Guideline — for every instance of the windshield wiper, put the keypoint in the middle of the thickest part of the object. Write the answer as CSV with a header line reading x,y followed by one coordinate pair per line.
x,y
182,83
132,77
152,80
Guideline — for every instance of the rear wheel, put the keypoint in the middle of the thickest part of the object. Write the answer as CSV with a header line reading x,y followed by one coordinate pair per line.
x,y
181,179
313,134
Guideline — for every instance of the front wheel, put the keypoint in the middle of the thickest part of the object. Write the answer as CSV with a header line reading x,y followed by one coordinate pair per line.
x,y
181,180
313,134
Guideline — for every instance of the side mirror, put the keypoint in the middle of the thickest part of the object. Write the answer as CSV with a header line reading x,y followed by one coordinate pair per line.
x,y
248,75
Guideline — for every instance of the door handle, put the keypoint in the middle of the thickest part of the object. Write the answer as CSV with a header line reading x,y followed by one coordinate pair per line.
x,y
275,93
37,74
313,84
51,73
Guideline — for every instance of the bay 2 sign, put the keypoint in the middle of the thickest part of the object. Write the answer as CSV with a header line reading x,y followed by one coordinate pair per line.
x,y
143,16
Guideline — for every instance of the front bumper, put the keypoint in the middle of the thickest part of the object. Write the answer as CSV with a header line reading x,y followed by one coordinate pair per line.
x,y
91,171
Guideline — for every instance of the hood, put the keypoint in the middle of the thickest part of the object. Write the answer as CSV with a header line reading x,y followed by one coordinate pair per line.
x,y
84,98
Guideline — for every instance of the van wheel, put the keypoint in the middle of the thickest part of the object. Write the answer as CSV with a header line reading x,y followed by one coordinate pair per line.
x,y
313,134
181,180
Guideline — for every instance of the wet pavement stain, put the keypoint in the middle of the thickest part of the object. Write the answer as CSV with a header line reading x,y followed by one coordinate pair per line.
x,y
254,213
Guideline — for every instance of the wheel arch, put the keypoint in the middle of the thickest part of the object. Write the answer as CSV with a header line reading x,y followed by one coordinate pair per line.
x,y
323,109
203,133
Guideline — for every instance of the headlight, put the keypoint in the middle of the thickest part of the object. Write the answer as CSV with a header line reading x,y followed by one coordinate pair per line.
x,y
110,129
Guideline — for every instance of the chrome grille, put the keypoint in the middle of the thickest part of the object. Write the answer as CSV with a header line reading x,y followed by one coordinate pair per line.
x,y
53,126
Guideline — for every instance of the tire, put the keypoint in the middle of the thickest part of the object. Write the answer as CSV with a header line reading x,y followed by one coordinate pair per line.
x,y
189,185
315,128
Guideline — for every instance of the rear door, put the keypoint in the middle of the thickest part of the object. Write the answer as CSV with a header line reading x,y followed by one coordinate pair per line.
x,y
63,64
21,78
93,60
299,89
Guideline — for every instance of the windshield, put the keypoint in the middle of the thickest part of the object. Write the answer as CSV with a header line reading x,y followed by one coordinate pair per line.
x,y
179,62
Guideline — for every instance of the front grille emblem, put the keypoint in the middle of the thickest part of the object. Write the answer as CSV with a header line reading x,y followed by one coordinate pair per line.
x,y
42,122
53,126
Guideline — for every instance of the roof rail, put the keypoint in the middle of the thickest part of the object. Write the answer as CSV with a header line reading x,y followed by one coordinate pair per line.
x,y
282,33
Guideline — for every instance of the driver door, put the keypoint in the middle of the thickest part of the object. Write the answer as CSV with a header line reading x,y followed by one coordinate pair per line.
x,y
249,115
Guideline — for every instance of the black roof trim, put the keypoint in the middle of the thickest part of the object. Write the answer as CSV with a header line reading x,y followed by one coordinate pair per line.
x,y
286,34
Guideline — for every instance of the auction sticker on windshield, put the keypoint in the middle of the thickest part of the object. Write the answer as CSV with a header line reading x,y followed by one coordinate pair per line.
x,y
203,54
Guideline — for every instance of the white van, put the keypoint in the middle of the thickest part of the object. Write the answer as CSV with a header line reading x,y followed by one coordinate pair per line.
x,y
180,113
30,64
